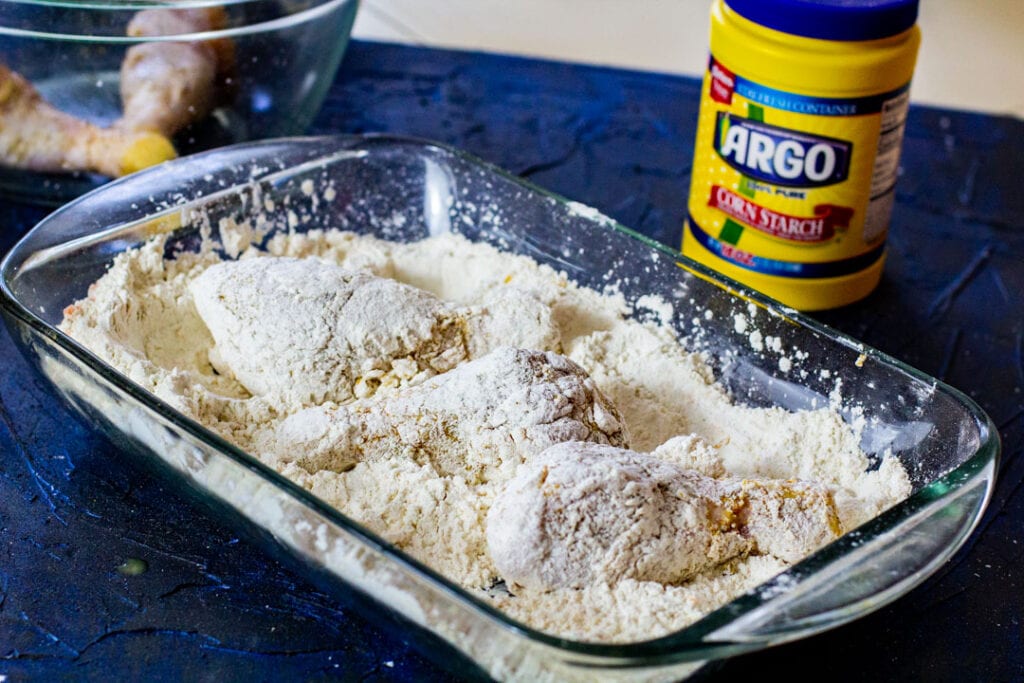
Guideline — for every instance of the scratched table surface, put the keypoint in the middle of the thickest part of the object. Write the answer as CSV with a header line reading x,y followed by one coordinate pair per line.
x,y
106,573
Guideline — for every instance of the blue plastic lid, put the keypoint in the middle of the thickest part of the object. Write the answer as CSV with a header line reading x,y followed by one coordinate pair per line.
x,y
831,19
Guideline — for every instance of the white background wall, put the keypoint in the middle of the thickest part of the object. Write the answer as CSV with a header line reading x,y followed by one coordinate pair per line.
x,y
972,54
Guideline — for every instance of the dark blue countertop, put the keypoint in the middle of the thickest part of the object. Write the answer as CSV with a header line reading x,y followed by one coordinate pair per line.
x,y
76,517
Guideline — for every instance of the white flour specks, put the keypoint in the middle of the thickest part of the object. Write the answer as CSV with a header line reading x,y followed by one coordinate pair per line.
x,y
381,377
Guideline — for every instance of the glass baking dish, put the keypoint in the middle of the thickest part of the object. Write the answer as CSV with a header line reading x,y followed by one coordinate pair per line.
x,y
404,189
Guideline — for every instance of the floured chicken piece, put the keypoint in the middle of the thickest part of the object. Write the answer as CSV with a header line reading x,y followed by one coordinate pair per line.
x,y
511,316
480,421
316,332
691,452
583,513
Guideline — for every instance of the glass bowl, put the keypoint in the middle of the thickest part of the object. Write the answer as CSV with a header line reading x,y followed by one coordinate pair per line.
x,y
269,65
404,189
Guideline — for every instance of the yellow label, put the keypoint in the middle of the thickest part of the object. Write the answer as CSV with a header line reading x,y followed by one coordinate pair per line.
x,y
792,185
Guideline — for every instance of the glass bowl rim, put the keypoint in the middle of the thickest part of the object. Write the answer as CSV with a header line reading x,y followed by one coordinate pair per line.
x,y
315,10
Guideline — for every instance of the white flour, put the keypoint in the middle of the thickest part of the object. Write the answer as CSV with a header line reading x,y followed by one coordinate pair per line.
x,y
406,406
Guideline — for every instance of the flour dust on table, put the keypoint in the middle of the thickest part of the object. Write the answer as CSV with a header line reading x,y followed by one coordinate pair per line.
x,y
520,434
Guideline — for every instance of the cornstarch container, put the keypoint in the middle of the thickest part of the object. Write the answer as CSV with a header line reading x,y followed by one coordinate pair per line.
x,y
798,144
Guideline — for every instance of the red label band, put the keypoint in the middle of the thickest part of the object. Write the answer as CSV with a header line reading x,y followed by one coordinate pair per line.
x,y
723,82
820,227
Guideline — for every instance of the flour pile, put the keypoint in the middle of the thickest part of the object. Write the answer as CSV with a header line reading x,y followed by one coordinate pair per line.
x,y
520,434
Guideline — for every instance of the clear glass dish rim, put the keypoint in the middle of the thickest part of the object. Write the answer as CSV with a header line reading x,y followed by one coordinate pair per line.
x,y
687,644
321,8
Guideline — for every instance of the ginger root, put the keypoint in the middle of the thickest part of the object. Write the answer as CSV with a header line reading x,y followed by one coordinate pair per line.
x,y
167,85
35,135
